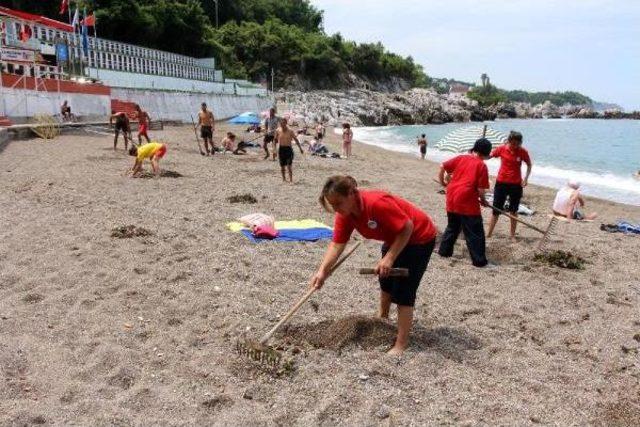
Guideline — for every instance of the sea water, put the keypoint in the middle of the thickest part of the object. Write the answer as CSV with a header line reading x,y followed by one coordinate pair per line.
x,y
601,154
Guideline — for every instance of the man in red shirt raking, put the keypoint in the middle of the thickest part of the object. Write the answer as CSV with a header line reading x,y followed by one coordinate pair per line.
x,y
465,193
509,182
407,232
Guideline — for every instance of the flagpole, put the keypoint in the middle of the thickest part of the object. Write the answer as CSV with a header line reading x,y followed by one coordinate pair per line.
x,y
95,43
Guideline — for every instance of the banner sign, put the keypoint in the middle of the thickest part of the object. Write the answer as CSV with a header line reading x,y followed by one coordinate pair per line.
x,y
7,54
62,52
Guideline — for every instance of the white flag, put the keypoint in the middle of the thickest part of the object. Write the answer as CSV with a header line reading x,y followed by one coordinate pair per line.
x,y
76,19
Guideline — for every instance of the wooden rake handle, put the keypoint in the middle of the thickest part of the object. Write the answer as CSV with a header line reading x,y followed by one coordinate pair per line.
x,y
515,218
306,296
394,272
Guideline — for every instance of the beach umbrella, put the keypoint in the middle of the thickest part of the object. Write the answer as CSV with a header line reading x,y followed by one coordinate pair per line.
x,y
248,117
462,139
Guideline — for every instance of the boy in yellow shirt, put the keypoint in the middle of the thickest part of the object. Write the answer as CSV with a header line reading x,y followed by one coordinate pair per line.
x,y
153,151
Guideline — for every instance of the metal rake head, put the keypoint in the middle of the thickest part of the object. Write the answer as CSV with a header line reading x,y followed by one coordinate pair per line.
x,y
551,231
259,352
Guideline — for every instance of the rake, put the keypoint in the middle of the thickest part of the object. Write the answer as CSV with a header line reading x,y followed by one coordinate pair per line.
x,y
546,234
259,350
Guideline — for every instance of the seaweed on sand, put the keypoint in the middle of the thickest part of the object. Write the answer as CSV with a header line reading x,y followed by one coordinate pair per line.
x,y
562,259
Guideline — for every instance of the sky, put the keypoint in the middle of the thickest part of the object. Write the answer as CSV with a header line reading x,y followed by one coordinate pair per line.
x,y
589,46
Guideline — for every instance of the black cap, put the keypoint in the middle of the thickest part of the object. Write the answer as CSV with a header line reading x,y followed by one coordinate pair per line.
x,y
482,147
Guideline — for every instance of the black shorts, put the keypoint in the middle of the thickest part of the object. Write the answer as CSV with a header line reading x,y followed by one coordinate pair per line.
x,y
121,125
285,154
501,191
423,149
403,289
268,138
206,132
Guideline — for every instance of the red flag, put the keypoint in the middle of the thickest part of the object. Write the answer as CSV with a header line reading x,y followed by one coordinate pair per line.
x,y
64,6
89,21
25,33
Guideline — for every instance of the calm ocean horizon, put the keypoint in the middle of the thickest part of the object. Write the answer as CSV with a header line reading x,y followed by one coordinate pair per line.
x,y
601,154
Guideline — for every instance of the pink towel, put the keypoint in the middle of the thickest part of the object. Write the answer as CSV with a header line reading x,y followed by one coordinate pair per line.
x,y
265,232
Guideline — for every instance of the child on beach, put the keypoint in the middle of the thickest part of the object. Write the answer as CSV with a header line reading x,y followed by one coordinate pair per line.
x,y
153,151
347,138
509,182
229,144
143,124
122,125
408,235
422,143
569,201
465,192
283,137
206,121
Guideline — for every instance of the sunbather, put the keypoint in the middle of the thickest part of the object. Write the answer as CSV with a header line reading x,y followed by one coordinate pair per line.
x,y
569,201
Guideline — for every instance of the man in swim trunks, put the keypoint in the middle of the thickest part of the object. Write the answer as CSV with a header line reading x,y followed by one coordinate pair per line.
x,y
153,151
207,126
143,124
283,137
122,125
270,127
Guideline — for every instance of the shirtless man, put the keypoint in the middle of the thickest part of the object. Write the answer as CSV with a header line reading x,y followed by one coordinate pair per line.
x,y
122,124
207,126
143,124
422,143
284,135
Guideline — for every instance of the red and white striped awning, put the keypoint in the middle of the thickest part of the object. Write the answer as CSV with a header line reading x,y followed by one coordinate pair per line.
x,y
37,19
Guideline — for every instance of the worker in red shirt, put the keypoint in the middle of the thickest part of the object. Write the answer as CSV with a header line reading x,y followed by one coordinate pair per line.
x,y
509,182
465,192
408,235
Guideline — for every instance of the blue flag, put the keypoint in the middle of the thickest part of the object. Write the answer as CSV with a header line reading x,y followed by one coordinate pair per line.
x,y
85,34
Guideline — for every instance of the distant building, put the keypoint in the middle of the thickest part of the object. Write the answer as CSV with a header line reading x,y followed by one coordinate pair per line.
x,y
458,89
43,48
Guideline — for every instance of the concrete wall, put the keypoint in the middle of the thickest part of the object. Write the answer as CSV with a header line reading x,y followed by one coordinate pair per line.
x,y
179,106
28,103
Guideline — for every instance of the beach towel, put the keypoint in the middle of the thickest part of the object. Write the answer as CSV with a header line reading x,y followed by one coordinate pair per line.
x,y
305,230
621,227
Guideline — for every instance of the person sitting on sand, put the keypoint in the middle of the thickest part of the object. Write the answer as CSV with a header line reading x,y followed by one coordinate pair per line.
x,y
283,137
422,143
465,193
65,111
347,138
407,232
122,125
229,144
568,202
153,151
143,124
509,182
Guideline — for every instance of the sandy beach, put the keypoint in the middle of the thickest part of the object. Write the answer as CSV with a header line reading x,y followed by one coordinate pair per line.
x,y
98,330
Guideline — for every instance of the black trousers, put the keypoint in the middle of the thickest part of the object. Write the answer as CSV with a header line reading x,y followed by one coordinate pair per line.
x,y
473,230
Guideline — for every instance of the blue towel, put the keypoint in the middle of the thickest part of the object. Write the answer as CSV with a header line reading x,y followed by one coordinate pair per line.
x,y
626,227
295,235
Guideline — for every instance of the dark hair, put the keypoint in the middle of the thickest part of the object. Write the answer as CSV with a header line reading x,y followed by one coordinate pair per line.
x,y
342,185
482,147
133,151
231,135
204,104
515,136
424,136
346,125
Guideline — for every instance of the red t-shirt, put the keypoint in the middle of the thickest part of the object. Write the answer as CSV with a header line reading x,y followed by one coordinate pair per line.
x,y
510,163
383,217
469,174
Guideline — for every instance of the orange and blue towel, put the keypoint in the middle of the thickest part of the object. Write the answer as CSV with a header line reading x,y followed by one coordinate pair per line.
x,y
303,230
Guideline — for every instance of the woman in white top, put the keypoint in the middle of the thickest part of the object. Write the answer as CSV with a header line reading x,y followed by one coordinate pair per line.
x,y
568,202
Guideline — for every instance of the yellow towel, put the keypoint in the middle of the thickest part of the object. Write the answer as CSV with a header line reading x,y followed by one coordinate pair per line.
x,y
296,224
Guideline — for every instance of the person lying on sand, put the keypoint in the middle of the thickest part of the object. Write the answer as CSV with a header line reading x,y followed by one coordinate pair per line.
x,y
283,137
569,201
153,151
408,235
465,193
122,125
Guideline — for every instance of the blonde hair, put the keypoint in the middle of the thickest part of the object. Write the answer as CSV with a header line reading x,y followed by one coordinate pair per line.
x,y
343,185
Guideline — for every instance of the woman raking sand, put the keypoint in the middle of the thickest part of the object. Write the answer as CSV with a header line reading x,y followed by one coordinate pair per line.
x,y
408,235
